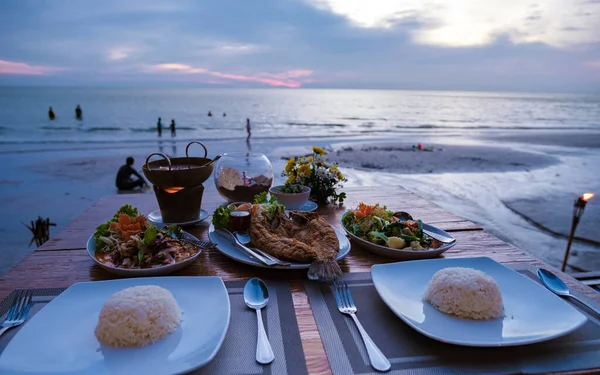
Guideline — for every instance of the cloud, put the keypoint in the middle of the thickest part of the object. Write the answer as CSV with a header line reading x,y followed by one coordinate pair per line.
x,y
120,53
593,64
292,78
19,68
396,44
473,23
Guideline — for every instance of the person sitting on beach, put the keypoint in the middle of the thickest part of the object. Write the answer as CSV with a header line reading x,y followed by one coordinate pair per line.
x,y
51,114
124,180
78,112
172,127
159,127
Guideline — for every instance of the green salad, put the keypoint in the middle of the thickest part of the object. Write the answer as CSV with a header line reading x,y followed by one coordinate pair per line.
x,y
378,225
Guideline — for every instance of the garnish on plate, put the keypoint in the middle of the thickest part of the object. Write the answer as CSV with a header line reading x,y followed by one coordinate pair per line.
x,y
127,241
378,225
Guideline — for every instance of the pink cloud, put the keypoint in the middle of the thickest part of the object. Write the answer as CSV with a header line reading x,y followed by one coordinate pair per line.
x,y
593,64
11,67
291,78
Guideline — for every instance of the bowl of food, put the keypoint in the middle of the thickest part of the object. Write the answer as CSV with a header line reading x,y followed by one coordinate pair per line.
x,y
127,245
291,196
384,232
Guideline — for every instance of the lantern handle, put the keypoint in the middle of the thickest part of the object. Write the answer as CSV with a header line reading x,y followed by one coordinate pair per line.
x,y
200,143
160,154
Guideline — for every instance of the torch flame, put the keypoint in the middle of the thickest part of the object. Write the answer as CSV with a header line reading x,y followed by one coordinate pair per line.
x,y
172,190
587,196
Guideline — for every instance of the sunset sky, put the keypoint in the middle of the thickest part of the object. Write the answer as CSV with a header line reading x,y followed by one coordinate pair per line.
x,y
520,45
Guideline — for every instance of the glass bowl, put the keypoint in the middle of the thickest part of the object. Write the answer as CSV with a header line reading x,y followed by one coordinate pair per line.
x,y
239,176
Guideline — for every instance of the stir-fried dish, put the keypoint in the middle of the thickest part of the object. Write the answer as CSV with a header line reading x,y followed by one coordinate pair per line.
x,y
127,241
378,225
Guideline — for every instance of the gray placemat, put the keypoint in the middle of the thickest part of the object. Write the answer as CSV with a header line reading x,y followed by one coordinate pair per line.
x,y
237,354
412,353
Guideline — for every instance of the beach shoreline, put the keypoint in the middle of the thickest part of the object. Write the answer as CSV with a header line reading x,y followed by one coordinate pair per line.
x,y
474,178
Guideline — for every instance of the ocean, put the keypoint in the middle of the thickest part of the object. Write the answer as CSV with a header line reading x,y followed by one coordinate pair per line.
x,y
58,168
128,115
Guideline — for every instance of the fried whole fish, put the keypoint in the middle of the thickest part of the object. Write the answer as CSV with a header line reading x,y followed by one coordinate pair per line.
x,y
303,237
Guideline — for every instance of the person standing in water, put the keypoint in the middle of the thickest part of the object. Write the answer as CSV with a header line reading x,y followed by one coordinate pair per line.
x,y
248,129
51,114
172,127
78,112
159,127
209,114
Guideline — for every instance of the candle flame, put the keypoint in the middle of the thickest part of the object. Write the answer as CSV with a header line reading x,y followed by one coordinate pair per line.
x,y
587,196
172,190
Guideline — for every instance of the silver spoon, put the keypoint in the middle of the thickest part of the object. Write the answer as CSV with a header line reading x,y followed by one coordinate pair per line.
x,y
556,285
256,296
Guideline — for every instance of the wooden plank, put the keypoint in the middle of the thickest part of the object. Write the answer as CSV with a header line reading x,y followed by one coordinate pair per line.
x,y
75,235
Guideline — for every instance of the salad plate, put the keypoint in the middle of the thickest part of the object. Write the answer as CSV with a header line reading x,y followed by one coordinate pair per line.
x,y
431,249
128,245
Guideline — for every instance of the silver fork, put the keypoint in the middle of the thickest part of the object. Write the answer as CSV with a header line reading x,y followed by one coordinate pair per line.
x,y
18,311
346,306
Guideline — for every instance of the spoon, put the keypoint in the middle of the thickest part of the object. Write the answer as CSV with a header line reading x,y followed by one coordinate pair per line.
x,y
256,296
212,161
556,285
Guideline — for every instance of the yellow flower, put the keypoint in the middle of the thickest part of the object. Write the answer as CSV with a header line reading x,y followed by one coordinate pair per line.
x,y
304,169
311,159
334,168
290,165
318,150
340,176
291,179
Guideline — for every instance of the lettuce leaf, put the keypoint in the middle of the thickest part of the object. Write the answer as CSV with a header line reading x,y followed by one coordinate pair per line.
x,y
150,235
221,217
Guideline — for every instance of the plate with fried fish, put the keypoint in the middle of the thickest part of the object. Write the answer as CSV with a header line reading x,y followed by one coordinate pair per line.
x,y
304,239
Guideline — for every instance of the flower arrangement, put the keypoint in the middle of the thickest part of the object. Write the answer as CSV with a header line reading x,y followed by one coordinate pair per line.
x,y
314,172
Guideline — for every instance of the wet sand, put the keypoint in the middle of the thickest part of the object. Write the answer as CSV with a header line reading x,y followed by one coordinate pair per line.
x,y
403,158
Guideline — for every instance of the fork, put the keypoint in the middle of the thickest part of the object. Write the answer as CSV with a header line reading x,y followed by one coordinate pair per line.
x,y
18,311
346,306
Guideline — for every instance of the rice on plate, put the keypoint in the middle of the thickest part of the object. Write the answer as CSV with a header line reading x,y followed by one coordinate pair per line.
x,y
137,316
465,293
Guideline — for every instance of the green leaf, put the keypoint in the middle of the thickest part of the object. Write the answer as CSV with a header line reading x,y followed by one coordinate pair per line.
x,y
261,198
150,236
140,255
126,209
221,217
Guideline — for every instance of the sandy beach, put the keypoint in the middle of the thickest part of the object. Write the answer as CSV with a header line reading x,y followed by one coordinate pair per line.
x,y
518,190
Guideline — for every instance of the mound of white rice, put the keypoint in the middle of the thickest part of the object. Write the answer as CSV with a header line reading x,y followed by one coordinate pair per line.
x,y
137,316
465,293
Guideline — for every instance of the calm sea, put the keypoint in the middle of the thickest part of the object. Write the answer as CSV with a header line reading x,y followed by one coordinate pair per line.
x,y
130,115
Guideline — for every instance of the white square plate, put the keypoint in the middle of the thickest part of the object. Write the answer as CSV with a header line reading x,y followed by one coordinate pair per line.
x,y
60,338
532,313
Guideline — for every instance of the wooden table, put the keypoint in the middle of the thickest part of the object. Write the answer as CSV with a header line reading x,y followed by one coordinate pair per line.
x,y
63,260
